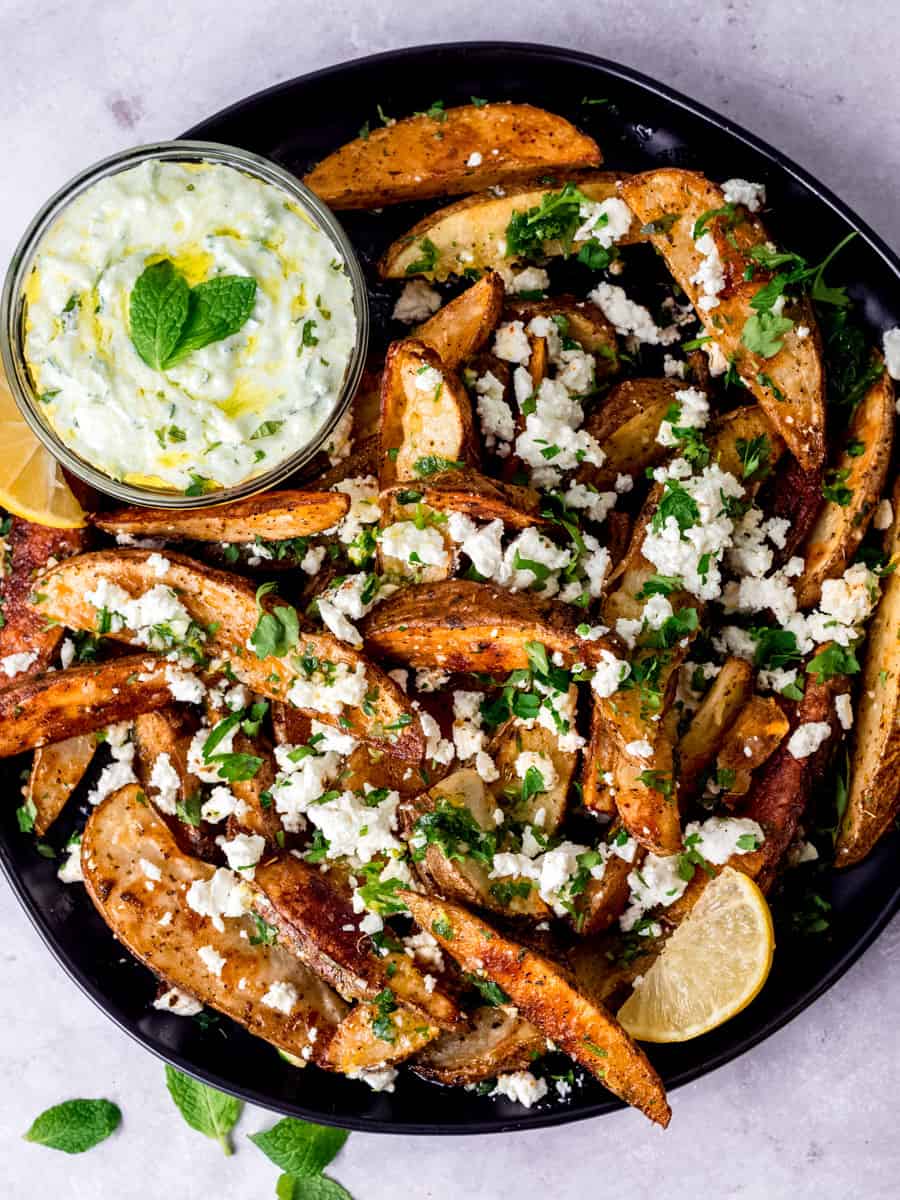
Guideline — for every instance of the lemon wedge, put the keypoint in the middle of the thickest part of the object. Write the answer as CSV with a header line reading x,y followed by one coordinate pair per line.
x,y
32,484
711,967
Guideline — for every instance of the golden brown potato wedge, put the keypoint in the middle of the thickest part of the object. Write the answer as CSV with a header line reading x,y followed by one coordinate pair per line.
x,y
470,235
225,608
465,878
459,625
580,320
875,763
597,765
270,515
160,930
790,383
544,996
727,695
426,417
357,1047
752,739
495,1042
475,495
316,921
459,150
43,709
643,784
56,772
508,744
461,328
26,552
859,474
604,900
625,424
733,437
258,814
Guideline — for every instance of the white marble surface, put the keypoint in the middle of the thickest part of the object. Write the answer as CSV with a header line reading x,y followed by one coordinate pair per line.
x,y
809,1114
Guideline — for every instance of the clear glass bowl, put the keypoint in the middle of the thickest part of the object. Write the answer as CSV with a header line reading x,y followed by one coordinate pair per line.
x,y
12,307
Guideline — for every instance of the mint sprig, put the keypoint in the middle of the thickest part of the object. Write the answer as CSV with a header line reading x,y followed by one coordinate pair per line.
x,y
75,1125
300,1148
205,1109
169,320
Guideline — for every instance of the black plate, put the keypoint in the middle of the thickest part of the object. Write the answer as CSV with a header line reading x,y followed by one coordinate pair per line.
x,y
642,124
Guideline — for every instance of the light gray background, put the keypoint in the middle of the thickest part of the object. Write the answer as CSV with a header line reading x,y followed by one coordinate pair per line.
x,y
812,1113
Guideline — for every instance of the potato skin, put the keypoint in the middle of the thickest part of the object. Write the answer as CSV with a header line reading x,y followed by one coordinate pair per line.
x,y
461,328
56,771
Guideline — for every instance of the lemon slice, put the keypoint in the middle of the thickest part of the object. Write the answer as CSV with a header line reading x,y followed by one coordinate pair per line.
x,y
711,967
32,484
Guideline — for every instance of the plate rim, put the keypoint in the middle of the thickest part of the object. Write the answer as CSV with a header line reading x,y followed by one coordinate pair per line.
x,y
556,1116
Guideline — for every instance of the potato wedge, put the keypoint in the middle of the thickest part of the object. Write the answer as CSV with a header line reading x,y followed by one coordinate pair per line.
x,y
543,996
422,428
580,320
166,732
422,156
597,765
860,474
752,739
475,495
727,695
312,914
461,328
875,764
357,1047
270,515
56,772
604,900
797,498
26,552
227,606
459,625
495,1042
790,383
625,424
160,930
463,877
732,438
644,784
508,744
470,235
45,709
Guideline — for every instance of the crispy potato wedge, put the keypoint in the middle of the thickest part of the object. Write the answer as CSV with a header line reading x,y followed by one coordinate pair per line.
x,y
312,912
466,879
875,764
120,834
475,495
729,442
44,709
27,550
790,384
421,425
167,732
459,625
625,424
56,772
752,739
581,320
461,328
643,784
797,498
727,695
423,156
839,529
471,234
357,1047
508,744
258,815
597,762
495,1042
604,900
270,515
228,606
544,996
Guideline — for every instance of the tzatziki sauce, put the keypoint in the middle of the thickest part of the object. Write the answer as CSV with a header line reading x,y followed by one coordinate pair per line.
x,y
229,410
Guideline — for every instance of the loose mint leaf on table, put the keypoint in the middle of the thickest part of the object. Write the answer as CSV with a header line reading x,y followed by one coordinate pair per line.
x,y
75,1125
299,1147
158,309
312,1187
208,1111
216,310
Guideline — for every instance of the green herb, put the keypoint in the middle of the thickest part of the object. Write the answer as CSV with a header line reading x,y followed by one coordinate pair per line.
x,y
75,1125
199,485
299,1148
555,219
428,261
437,112
774,647
219,732
725,778
691,858
452,828
266,429
504,893
661,225
681,623
678,503
433,464
596,257
189,809
833,488
727,213
755,454
264,934
659,585
833,660
316,1187
277,630
851,369
443,929
747,842
385,1004
208,1111
657,781
235,768
478,102
25,816
491,992
380,895
763,333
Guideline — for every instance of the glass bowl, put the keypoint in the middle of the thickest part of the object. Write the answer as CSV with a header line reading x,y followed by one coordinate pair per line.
x,y
12,309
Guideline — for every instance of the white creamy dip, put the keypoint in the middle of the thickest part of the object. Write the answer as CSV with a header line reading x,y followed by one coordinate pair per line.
x,y
229,410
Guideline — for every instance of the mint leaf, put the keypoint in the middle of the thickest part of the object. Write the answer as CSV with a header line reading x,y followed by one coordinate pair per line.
x,y
208,1111
157,312
75,1125
276,631
314,1187
764,333
216,310
299,1147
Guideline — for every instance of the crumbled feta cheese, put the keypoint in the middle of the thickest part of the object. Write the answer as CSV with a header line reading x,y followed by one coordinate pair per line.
x,y
120,771
312,560
379,1079
164,784
884,515
610,674
521,1087
511,343
364,508
475,159
425,948
157,618
531,760
428,379
222,803
179,1003
693,413
629,317
416,302
150,870
329,693
437,748
425,547
15,664
739,191
282,996
212,960
498,425
184,686
66,650
674,368
224,894
604,221
158,565
429,679
70,870
243,851
807,738
552,441
596,505
710,275
843,706
640,748
718,837
532,279
891,344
